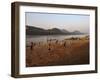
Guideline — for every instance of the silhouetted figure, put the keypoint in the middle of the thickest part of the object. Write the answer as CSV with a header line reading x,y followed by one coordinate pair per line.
x,y
32,45
70,44
56,41
49,47
64,44
39,43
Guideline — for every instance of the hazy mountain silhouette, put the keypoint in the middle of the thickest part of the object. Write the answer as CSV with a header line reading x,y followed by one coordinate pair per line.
x,y
65,31
32,30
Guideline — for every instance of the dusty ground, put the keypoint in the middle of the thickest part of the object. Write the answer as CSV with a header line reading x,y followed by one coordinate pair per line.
x,y
43,54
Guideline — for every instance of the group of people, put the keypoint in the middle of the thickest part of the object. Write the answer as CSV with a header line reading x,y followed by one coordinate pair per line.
x,y
49,43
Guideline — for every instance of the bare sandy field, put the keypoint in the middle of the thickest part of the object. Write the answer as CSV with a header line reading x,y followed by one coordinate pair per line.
x,y
66,52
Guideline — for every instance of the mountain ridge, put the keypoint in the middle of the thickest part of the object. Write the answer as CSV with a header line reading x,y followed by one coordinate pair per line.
x,y
32,30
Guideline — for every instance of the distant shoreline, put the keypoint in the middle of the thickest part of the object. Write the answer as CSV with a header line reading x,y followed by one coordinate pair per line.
x,y
56,34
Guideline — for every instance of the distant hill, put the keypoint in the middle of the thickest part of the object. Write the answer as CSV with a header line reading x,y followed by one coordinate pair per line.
x,y
76,32
54,31
65,31
32,30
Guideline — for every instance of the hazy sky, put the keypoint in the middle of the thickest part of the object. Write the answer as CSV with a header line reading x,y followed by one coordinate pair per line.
x,y
70,22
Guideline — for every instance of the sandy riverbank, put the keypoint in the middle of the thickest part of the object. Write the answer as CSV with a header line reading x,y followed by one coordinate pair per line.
x,y
74,51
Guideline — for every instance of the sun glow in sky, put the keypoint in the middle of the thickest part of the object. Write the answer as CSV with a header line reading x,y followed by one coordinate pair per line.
x,y
70,22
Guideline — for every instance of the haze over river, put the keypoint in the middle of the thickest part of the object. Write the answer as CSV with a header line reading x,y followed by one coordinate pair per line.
x,y
44,38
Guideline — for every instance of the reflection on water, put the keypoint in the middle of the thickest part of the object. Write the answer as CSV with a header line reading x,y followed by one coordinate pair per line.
x,y
44,38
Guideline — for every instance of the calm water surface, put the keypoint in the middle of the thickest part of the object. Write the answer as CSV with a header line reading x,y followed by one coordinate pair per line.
x,y
44,38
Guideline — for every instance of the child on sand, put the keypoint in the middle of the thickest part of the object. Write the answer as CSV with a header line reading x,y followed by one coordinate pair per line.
x,y
32,45
56,41
64,44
